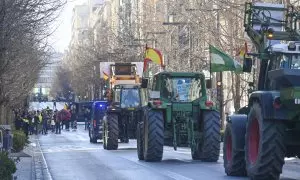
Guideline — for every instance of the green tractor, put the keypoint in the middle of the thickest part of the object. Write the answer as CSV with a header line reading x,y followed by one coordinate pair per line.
x,y
178,113
256,143
122,115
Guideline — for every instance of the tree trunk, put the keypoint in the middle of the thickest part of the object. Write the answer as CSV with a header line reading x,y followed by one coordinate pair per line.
x,y
237,98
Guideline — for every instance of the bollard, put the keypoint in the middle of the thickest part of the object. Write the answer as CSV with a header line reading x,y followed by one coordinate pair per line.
x,y
6,138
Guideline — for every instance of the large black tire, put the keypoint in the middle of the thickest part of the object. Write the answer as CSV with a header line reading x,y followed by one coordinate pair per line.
x,y
104,131
153,135
234,157
264,146
111,132
140,141
209,149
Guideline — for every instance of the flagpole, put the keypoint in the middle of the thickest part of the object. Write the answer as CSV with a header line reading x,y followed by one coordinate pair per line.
x,y
210,75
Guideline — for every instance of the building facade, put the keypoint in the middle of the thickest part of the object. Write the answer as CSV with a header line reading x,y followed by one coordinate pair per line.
x,y
46,78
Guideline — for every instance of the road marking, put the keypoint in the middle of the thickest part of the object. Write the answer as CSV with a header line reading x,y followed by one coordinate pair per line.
x,y
175,175
66,149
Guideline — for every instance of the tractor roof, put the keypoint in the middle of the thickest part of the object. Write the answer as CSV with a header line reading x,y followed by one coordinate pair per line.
x,y
182,74
128,85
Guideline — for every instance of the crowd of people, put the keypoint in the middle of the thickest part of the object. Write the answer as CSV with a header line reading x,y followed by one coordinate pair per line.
x,y
41,122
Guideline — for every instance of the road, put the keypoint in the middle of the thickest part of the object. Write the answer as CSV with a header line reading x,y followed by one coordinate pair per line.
x,y
70,156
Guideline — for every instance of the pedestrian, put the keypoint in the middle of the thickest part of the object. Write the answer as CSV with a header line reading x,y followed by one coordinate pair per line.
x,y
86,118
30,122
40,125
46,118
36,122
73,117
25,123
66,118
53,124
18,121
58,118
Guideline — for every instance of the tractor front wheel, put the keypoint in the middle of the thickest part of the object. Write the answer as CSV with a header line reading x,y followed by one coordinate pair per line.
x,y
140,141
234,157
209,149
264,146
153,135
111,132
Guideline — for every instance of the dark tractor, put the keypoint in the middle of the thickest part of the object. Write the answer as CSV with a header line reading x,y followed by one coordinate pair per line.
x,y
256,143
98,110
122,116
178,113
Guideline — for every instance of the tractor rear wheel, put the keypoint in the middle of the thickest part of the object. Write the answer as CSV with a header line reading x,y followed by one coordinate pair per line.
x,y
153,135
140,141
264,146
234,158
209,149
111,132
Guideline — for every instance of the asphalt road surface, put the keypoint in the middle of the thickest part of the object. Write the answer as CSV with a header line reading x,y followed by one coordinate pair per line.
x,y
70,156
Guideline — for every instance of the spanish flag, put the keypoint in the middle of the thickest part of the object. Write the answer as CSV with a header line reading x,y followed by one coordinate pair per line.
x,y
105,76
152,55
243,52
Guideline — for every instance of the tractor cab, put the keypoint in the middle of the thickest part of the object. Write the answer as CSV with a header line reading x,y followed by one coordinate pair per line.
x,y
286,56
127,96
178,88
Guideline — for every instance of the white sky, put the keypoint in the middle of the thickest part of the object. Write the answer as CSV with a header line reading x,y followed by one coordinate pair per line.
x,y
62,36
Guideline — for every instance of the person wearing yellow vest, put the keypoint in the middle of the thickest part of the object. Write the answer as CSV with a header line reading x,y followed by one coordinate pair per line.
x,y
37,120
25,124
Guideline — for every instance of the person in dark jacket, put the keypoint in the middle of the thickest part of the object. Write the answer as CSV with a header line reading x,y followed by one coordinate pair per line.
x,y
25,123
86,117
36,122
18,121
46,118
30,118
57,119
73,117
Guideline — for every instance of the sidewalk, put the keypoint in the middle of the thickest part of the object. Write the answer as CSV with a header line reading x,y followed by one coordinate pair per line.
x,y
25,170
32,165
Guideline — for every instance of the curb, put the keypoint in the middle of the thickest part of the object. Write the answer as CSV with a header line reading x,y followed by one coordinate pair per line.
x,y
40,168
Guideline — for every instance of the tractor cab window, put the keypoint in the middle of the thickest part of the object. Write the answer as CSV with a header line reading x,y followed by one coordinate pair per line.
x,y
117,95
182,89
289,61
295,61
130,98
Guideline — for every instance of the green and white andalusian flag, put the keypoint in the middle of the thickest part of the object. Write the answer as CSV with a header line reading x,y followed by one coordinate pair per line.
x,y
222,62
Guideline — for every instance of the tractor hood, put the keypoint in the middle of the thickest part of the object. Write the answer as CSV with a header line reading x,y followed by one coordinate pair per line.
x,y
287,81
284,78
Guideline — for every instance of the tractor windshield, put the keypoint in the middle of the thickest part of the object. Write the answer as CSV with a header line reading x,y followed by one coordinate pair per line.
x,y
289,61
182,89
130,98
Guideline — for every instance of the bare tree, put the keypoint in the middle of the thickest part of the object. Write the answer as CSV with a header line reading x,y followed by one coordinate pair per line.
x,y
24,29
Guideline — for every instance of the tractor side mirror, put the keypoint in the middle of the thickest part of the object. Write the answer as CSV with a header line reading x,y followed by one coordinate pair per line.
x,y
144,83
208,83
247,65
